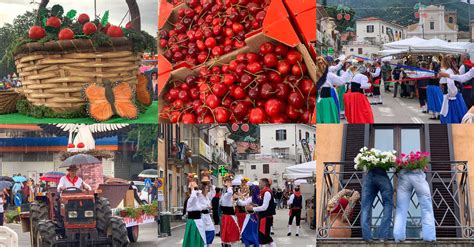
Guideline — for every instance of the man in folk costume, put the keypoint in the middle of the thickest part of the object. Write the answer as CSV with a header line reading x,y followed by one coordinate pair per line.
x,y
377,79
265,213
296,204
205,200
249,233
215,211
195,233
72,180
230,231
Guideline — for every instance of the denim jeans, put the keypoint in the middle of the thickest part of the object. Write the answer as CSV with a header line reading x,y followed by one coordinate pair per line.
x,y
375,181
407,181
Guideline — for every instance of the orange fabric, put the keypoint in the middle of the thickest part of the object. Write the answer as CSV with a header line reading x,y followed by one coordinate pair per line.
x,y
143,94
357,109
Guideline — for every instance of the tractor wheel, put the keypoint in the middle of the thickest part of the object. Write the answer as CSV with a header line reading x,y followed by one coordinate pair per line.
x,y
133,232
38,212
46,234
103,214
118,232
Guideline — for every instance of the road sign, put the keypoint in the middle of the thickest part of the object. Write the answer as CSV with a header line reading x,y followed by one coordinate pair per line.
x,y
148,182
222,170
161,184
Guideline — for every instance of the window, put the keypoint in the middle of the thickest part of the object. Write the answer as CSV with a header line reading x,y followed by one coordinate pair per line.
x,y
266,169
307,136
281,153
352,49
432,25
280,135
370,28
359,51
403,139
253,167
383,29
300,134
450,19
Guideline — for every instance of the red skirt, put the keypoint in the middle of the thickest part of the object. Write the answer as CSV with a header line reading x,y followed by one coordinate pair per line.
x,y
357,109
240,217
230,231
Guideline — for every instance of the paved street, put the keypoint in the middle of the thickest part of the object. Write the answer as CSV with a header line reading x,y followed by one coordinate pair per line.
x,y
399,110
307,236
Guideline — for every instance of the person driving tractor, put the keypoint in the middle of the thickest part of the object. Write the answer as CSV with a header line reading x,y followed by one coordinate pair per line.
x,y
72,180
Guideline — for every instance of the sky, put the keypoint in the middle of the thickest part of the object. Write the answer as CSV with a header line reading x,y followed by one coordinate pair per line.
x,y
9,9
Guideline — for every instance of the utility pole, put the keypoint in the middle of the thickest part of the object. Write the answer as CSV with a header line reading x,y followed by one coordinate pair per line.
x,y
469,22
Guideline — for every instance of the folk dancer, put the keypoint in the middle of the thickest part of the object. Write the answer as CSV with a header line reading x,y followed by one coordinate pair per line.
x,y
195,232
265,213
453,108
230,231
434,95
204,199
377,81
249,234
296,204
216,212
358,110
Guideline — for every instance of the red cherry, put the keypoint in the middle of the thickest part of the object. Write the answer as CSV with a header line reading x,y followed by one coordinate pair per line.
x,y
80,145
189,118
267,48
83,18
174,116
210,42
89,28
274,107
212,101
292,112
267,90
257,116
282,91
178,104
115,32
54,22
220,89
254,67
71,145
279,119
281,50
294,57
237,27
270,60
298,69
129,25
229,79
238,93
295,99
284,67
240,110
222,115
252,57
307,87
36,32
184,96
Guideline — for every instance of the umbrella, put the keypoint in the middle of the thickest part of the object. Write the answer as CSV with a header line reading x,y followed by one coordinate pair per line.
x,y
5,184
148,173
6,178
52,176
80,159
19,179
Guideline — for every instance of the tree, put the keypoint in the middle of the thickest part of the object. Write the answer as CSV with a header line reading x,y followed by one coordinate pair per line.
x,y
145,136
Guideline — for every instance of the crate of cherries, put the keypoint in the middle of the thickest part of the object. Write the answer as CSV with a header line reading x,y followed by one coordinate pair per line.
x,y
269,83
197,31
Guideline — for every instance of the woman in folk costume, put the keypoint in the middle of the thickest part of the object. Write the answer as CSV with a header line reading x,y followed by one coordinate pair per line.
x,y
341,89
434,95
195,233
296,204
205,200
358,110
376,75
422,84
327,107
240,212
249,234
453,108
230,231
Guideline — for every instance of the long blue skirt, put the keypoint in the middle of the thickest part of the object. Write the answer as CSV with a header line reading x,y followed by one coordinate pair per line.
x,y
336,99
250,232
434,97
457,110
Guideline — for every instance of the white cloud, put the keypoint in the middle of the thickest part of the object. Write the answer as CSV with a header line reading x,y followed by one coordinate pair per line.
x,y
9,9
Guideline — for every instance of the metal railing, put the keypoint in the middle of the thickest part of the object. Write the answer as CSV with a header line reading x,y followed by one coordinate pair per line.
x,y
449,184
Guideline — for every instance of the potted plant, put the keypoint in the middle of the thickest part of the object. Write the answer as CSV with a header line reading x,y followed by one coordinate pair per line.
x,y
412,161
368,159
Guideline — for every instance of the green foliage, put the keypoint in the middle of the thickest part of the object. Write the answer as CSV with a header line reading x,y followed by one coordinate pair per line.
x,y
150,209
11,216
105,18
145,137
342,25
71,14
141,40
57,10
26,108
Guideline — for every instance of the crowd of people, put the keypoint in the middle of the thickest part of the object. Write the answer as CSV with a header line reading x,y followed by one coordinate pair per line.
x,y
242,213
443,86
10,81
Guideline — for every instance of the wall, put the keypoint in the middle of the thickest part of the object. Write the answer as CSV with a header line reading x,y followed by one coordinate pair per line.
x,y
330,136
367,50
277,167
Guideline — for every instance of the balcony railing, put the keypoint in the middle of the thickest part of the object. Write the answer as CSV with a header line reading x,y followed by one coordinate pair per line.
x,y
275,157
449,182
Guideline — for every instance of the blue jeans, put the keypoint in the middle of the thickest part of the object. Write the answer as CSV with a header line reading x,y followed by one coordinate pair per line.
x,y
407,181
375,181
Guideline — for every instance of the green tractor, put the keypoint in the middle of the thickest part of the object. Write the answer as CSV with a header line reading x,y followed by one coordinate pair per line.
x,y
83,219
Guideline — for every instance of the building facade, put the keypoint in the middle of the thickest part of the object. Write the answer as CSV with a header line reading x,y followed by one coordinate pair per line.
x,y
435,22
449,173
281,146
371,34
327,35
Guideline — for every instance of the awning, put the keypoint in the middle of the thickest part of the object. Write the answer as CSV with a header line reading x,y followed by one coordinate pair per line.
x,y
403,44
300,171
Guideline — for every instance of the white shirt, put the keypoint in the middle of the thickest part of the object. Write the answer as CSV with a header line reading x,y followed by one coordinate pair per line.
x,y
226,198
1,204
464,77
292,197
64,182
361,79
204,201
334,80
194,203
376,73
266,201
245,202
462,69
452,89
335,68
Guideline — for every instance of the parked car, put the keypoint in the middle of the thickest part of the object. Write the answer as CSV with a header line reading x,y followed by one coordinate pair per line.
x,y
142,191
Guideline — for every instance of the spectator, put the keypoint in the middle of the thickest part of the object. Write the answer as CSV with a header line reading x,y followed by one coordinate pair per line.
x,y
278,198
154,191
2,209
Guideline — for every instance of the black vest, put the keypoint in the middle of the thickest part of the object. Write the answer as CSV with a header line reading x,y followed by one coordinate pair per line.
x,y
470,82
297,202
271,207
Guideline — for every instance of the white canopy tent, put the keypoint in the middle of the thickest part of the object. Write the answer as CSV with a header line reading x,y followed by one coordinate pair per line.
x,y
300,171
391,52
403,44
437,45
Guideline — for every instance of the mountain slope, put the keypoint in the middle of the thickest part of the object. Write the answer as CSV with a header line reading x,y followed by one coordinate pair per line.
x,y
401,11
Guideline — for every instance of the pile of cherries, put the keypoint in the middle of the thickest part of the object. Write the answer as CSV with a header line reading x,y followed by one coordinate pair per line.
x,y
211,28
268,86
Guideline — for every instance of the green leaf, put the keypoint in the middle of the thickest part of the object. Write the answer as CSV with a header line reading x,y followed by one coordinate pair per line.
x,y
57,10
71,14
105,18
52,30
43,21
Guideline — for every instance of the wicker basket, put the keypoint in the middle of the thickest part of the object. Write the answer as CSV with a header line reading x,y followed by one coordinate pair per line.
x,y
54,73
8,99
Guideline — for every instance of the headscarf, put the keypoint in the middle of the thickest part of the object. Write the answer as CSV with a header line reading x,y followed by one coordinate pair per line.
x,y
255,191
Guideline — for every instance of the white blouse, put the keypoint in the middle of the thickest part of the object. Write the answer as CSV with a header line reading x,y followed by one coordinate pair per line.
x,y
226,198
